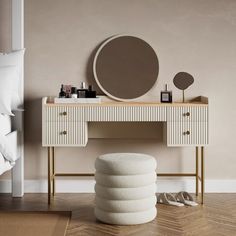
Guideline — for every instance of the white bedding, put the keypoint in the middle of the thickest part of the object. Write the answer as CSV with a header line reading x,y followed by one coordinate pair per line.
x,y
8,151
5,124
4,164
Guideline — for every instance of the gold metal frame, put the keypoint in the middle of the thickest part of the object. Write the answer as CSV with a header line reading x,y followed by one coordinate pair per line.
x,y
52,174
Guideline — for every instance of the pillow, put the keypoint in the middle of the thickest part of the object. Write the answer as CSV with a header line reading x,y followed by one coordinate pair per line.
x,y
6,149
15,58
8,76
5,165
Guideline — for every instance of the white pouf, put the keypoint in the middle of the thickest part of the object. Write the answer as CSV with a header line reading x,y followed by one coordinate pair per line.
x,y
125,188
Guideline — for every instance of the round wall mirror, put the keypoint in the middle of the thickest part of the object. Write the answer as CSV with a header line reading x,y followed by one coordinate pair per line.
x,y
125,67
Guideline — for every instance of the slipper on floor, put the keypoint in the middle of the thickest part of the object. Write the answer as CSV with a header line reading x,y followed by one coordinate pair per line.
x,y
185,198
168,199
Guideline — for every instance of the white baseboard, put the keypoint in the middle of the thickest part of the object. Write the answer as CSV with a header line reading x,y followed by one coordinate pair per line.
x,y
87,185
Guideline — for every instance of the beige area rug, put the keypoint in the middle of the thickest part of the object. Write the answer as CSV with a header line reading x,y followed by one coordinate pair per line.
x,y
34,223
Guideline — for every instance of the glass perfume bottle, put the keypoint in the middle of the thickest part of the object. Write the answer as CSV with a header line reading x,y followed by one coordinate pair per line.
x,y
91,93
81,93
62,93
67,89
166,96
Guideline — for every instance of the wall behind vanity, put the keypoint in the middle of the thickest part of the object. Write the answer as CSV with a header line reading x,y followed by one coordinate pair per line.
x,y
194,36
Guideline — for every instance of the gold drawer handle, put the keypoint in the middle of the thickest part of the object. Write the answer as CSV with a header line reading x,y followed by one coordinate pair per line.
x,y
64,113
64,132
187,114
187,132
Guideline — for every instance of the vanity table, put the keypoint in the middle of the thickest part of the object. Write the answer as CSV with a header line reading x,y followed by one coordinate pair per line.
x,y
66,125
125,68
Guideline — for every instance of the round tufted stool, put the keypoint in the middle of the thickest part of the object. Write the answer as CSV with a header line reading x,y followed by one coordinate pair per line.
x,y
125,188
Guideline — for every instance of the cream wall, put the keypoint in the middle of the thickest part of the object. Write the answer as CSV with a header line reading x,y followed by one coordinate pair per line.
x,y
194,36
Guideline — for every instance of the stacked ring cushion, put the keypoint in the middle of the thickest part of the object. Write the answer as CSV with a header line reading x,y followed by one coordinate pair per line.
x,y
125,188
125,181
125,193
125,206
125,164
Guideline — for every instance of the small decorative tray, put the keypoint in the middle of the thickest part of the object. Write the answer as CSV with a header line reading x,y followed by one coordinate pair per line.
x,y
77,100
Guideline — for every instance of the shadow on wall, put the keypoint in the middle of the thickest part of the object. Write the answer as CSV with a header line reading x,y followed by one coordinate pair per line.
x,y
33,121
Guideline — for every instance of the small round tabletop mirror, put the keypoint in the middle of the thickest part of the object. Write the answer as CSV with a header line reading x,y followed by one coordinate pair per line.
x,y
125,67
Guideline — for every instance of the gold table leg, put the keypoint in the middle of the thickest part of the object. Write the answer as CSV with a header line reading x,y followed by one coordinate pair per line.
x,y
49,175
53,171
202,175
196,171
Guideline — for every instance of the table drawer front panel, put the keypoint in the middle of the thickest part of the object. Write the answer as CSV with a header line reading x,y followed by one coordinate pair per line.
x,y
187,133
184,114
65,134
125,113
64,113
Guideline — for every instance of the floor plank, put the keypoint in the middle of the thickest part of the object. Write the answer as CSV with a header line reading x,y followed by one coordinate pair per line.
x,y
216,217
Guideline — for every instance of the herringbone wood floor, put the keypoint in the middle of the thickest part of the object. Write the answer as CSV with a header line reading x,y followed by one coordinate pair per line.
x,y
217,217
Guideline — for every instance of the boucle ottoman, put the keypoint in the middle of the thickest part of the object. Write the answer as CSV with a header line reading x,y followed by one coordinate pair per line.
x,y
125,188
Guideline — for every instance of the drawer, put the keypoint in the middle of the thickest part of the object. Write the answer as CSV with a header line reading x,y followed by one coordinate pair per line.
x,y
185,114
65,134
125,113
64,113
187,133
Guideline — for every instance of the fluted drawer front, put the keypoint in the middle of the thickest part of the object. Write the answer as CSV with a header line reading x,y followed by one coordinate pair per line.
x,y
65,134
125,113
187,133
187,113
64,113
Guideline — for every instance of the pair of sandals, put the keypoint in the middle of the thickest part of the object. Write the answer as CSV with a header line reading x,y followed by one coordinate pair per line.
x,y
181,199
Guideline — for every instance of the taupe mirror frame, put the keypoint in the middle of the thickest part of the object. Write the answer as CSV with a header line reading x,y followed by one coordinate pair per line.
x,y
125,67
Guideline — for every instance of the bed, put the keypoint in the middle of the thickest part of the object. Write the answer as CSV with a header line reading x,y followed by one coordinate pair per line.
x,y
11,125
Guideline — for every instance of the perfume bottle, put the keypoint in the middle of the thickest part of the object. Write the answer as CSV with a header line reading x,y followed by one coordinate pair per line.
x,y
67,89
62,93
166,96
81,93
90,93
73,92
